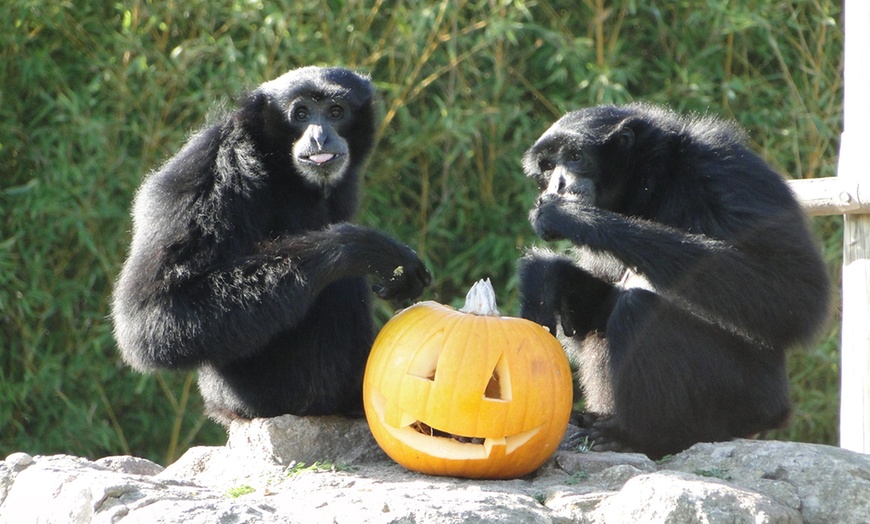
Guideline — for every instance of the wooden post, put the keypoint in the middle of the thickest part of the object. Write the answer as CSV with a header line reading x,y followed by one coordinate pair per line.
x,y
854,165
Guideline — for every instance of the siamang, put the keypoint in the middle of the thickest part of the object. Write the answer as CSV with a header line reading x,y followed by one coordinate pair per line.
x,y
691,271
244,264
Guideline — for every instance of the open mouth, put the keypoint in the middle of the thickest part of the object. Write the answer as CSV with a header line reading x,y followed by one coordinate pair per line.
x,y
321,158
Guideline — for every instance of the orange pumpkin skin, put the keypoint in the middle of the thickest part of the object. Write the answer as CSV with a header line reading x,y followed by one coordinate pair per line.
x,y
501,381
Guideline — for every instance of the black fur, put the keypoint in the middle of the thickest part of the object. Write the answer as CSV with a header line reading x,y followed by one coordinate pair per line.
x,y
243,263
693,270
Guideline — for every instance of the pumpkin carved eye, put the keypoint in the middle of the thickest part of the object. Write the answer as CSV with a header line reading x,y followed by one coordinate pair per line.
x,y
498,388
461,393
425,362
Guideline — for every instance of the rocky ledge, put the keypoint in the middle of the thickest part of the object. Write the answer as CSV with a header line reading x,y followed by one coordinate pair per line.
x,y
318,470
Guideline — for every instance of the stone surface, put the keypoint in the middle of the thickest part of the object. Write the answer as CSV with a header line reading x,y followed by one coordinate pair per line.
x,y
304,439
259,477
133,465
827,484
682,497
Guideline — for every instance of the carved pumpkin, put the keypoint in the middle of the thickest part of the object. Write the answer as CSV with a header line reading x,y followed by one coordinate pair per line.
x,y
467,393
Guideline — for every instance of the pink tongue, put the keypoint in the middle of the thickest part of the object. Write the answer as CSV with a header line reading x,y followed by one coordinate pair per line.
x,y
321,158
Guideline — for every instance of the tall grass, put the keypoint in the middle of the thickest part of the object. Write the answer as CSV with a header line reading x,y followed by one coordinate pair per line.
x,y
95,94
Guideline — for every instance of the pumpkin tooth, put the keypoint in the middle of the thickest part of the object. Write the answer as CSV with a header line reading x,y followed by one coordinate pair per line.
x,y
491,442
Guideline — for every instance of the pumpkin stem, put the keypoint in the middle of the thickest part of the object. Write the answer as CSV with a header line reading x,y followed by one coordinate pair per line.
x,y
480,299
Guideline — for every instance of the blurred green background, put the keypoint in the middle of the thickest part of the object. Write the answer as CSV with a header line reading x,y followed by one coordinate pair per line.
x,y
95,94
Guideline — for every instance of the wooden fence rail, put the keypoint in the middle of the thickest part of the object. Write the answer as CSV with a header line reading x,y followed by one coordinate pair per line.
x,y
832,195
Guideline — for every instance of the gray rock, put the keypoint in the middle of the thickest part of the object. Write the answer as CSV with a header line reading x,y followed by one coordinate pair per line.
x,y
595,462
288,439
259,478
672,496
128,464
827,484
18,461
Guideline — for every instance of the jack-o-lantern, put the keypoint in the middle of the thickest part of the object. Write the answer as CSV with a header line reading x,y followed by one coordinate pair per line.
x,y
467,393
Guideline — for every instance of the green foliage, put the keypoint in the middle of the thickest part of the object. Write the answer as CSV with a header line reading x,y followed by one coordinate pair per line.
x,y
665,459
586,445
95,94
240,491
577,477
716,473
297,468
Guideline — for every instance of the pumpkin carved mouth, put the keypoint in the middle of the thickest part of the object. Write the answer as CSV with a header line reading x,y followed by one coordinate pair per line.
x,y
425,429
443,444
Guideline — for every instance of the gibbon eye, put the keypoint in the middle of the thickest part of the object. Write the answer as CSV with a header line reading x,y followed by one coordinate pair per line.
x,y
301,113
575,156
336,112
545,165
